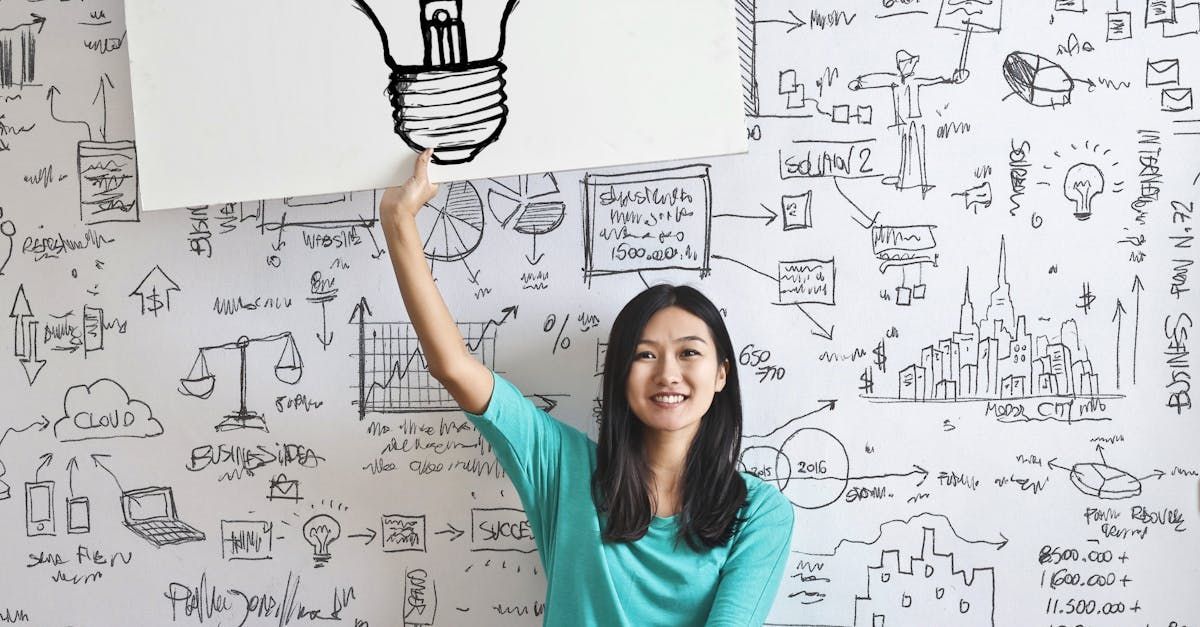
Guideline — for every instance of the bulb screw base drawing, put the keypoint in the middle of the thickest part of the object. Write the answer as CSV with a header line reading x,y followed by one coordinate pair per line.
x,y
456,110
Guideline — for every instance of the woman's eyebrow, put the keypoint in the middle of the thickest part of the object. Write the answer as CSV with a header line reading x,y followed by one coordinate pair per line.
x,y
682,339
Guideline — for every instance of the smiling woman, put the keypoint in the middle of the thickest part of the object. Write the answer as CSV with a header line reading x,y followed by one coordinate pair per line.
x,y
653,524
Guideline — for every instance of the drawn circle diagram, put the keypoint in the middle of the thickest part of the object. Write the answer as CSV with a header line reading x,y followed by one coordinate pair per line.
x,y
811,468
1104,481
451,223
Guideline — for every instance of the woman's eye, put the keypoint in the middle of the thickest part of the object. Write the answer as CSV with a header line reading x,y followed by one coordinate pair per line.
x,y
644,355
688,352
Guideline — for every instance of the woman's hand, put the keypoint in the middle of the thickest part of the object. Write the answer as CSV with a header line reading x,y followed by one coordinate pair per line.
x,y
405,201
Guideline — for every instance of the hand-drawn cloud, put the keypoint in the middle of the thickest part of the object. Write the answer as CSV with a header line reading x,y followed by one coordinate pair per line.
x,y
104,410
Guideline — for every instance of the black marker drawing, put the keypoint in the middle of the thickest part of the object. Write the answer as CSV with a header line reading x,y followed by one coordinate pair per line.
x,y
403,533
650,220
908,121
154,291
246,539
320,531
1037,80
7,231
282,488
322,292
108,183
917,569
102,410
200,381
5,489
25,336
531,203
1103,481
151,515
996,357
452,100
39,508
18,51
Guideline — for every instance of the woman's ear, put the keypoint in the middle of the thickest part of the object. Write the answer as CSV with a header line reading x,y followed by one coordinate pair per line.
x,y
722,374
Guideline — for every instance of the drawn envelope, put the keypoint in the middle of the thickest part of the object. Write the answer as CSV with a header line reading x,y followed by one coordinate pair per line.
x,y
1162,72
283,488
1177,100
1186,22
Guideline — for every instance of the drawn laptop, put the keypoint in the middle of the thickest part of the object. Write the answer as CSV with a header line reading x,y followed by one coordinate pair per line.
x,y
150,513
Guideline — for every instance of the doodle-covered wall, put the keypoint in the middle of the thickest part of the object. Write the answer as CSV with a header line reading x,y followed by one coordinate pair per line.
x,y
957,263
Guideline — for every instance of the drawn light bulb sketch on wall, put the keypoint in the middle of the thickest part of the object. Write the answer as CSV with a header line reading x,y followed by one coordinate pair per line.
x,y
452,99
320,531
1081,185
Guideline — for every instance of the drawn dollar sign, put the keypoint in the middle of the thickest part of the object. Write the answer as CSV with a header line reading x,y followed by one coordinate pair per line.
x,y
880,356
868,381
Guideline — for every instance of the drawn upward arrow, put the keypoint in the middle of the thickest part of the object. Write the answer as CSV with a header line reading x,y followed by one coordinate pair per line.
x,y
450,529
359,315
72,466
96,457
102,96
156,283
50,96
25,336
770,217
825,404
1117,315
1137,290
45,462
511,310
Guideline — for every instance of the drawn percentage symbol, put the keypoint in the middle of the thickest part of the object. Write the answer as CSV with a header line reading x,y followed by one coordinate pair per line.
x,y
560,341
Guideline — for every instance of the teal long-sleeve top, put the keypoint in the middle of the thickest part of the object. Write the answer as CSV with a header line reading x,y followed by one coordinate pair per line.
x,y
652,582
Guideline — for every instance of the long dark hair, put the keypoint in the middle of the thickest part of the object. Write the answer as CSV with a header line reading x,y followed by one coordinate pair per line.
x,y
713,490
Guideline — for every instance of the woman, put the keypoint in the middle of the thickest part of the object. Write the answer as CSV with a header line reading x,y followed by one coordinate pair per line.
x,y
608,517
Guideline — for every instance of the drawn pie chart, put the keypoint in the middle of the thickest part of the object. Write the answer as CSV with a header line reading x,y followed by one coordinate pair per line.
x,y
451,223
1106,482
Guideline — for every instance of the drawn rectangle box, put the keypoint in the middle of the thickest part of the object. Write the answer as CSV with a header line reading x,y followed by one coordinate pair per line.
x,y
841,114
806,281
1120,26
246,539
811,158
1177,100
1073,6
797,211
403,533
501,529
108,183
650,220
79,515
342,209
93,329
39,508
1160,11
1186,22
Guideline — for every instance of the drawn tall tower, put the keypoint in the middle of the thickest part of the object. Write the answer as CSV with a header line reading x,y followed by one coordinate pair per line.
x,y
1000,307
966,311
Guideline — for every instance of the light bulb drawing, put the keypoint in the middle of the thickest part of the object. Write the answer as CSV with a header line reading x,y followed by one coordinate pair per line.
x,y
320,531
200,381
453,99
1081,185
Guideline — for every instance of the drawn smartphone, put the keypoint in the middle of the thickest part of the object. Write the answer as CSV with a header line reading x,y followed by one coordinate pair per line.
x,y
39,508
79,515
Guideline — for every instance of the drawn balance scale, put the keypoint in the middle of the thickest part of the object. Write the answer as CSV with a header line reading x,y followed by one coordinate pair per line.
x,y
200,382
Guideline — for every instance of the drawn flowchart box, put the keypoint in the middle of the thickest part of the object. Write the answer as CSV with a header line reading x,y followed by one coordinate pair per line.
x,y
403,533
806,281
501,529
652,220
820,159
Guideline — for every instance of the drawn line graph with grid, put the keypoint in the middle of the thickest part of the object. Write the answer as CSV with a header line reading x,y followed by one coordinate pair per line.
x,y
394,375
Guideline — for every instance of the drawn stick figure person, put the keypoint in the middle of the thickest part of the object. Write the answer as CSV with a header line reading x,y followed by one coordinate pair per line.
x,y
906,104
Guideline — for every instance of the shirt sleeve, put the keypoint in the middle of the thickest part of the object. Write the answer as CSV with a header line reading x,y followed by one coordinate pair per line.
x,y
754,569
527,442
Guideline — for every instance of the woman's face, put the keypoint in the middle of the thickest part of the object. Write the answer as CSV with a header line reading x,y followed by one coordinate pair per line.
x,y
675,372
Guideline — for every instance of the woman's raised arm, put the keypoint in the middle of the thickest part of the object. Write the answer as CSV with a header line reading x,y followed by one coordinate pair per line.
x,y
467,380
